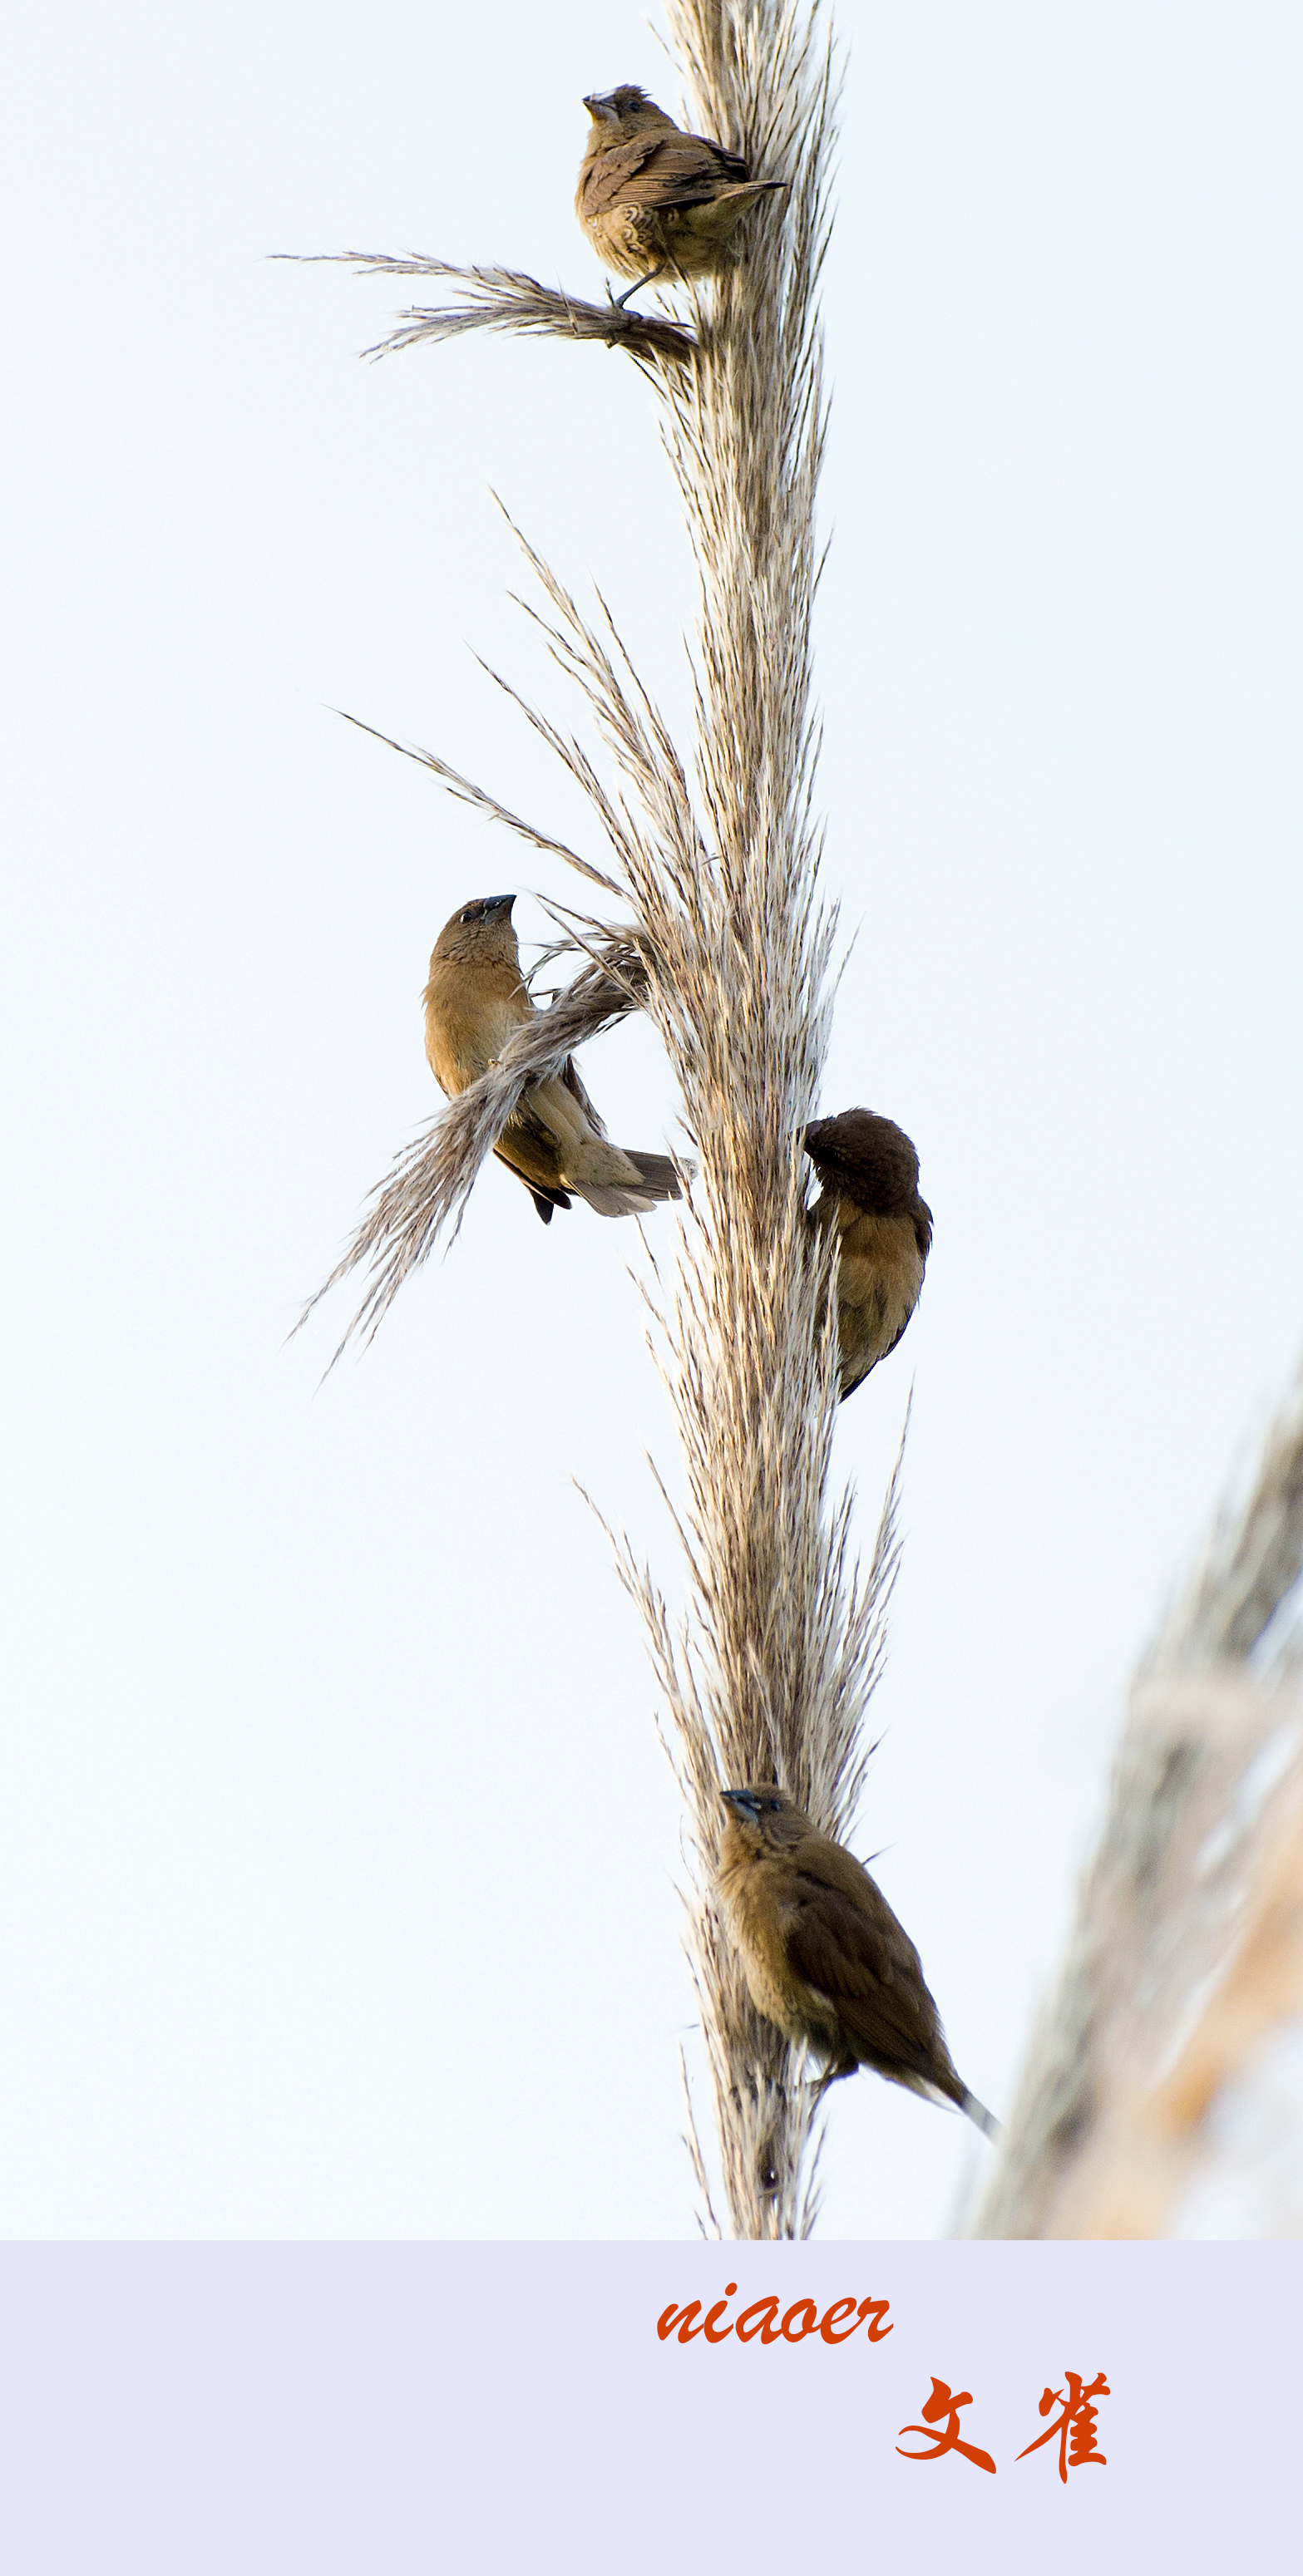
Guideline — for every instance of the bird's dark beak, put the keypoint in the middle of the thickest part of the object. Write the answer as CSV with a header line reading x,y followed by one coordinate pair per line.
x,y
601,112
743,1801
499,903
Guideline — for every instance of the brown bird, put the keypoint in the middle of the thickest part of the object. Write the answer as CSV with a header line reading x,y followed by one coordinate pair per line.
x,y
651,197
824,1956
869,1171
474,1000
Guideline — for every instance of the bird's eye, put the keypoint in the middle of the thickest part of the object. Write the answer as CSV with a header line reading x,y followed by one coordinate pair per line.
x,y
469,913
771,1805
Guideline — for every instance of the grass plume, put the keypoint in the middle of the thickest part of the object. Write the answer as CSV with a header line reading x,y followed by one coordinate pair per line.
x,y
770,1673
507,299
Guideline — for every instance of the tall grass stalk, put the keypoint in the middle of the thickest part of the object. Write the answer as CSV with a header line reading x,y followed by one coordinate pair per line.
x,y
729,950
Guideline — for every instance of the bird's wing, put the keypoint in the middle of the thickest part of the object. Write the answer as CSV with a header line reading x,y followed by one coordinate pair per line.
x,y
886,1354
659,169
529,1145
528,1121
573,1083
857,1954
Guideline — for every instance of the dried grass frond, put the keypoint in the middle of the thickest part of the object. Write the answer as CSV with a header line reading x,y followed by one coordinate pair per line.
x,y
506,299
425,1195
1253,1559
1163,1902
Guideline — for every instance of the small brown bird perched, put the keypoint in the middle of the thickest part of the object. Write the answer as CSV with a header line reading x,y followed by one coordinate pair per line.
x,y
474,1000
823,1954
869,1171
651,197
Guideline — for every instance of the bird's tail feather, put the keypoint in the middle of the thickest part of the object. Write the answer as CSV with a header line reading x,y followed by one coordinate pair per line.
x,y
633,1191
659,1173
610,1199
983,2119
617,1182
952,2094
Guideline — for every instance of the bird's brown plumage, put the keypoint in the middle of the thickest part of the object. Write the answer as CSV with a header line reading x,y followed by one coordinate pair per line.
x,y
475,999
824,1956
651,197
869,1197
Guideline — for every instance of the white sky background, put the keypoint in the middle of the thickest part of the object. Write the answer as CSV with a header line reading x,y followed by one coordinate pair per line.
x,y
338,1851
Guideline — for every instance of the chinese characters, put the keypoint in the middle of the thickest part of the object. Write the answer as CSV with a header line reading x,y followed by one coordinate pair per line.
x,y
1074,2425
